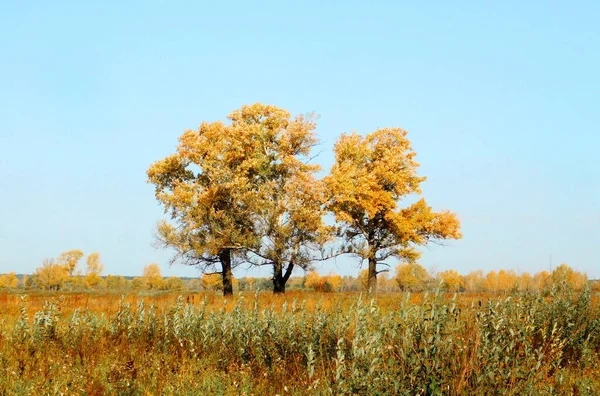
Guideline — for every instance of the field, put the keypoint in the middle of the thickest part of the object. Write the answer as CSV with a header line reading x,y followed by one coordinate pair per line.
x,y
301,343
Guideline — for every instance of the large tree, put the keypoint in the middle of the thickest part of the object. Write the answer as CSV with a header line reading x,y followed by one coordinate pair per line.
x,y
204,193
242,191
370,176
288,201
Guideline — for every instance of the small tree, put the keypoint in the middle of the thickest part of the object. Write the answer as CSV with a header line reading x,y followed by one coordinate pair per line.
x,y
50,275
451,280
9,281
152,278
412,277
93,270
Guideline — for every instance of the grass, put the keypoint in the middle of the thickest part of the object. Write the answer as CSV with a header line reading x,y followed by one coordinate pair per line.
x,y
339,343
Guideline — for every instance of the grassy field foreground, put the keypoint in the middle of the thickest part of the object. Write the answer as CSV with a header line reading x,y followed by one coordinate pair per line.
x,y
303,343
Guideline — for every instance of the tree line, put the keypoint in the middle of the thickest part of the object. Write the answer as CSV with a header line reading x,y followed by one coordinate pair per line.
x,y
247,191
409,277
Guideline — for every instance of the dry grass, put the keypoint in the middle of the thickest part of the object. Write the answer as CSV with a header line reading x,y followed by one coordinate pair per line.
x,y
323,343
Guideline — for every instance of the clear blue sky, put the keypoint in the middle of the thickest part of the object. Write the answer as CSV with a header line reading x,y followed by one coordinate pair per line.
x,y
501,103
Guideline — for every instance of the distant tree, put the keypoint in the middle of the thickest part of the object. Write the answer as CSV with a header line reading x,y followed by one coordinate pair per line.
x,y
363,279
386,283
490,283
51,276
115,282
152,278
565,276
173,283
70,260
451,280
212,282
412,277
93,270
473,281
328,283
138,283
369,177
541,280
9,281
525,282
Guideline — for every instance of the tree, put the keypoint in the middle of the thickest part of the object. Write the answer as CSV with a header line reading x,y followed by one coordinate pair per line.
x,y
205,188
288,201
412,277
473,281
93,270
451,280
9,281
51,275
565,276
173,283
320,283
152,278
115,282
70,260
369,177
211,282
243,191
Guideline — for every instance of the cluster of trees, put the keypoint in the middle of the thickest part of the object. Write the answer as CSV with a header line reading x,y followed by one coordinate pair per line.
x,y
413,277
247,191
61,272
407,277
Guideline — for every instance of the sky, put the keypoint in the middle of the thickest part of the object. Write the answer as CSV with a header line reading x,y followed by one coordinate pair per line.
x,y
500,102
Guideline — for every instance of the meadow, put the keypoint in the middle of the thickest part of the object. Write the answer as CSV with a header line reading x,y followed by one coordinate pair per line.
x,y
301,343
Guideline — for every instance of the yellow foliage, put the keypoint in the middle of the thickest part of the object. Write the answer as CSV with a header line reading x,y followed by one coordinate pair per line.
x,y
473,281
173,283
370,175
451,280
214,282
9,281
94,264
234,187
51,276
331,282
70,260
563,275
412,277
152,278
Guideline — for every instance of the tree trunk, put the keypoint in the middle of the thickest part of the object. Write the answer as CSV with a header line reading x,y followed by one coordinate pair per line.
x,y
225,258
279,278
372,276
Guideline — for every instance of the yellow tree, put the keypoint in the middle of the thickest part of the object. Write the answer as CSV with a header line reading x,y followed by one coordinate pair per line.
x,y
363,279
473,281
287,205
70,259
451,280
563,275
93,270
243,191
173,283
205,193
412,277
9,281
152,277
50,275
369,177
